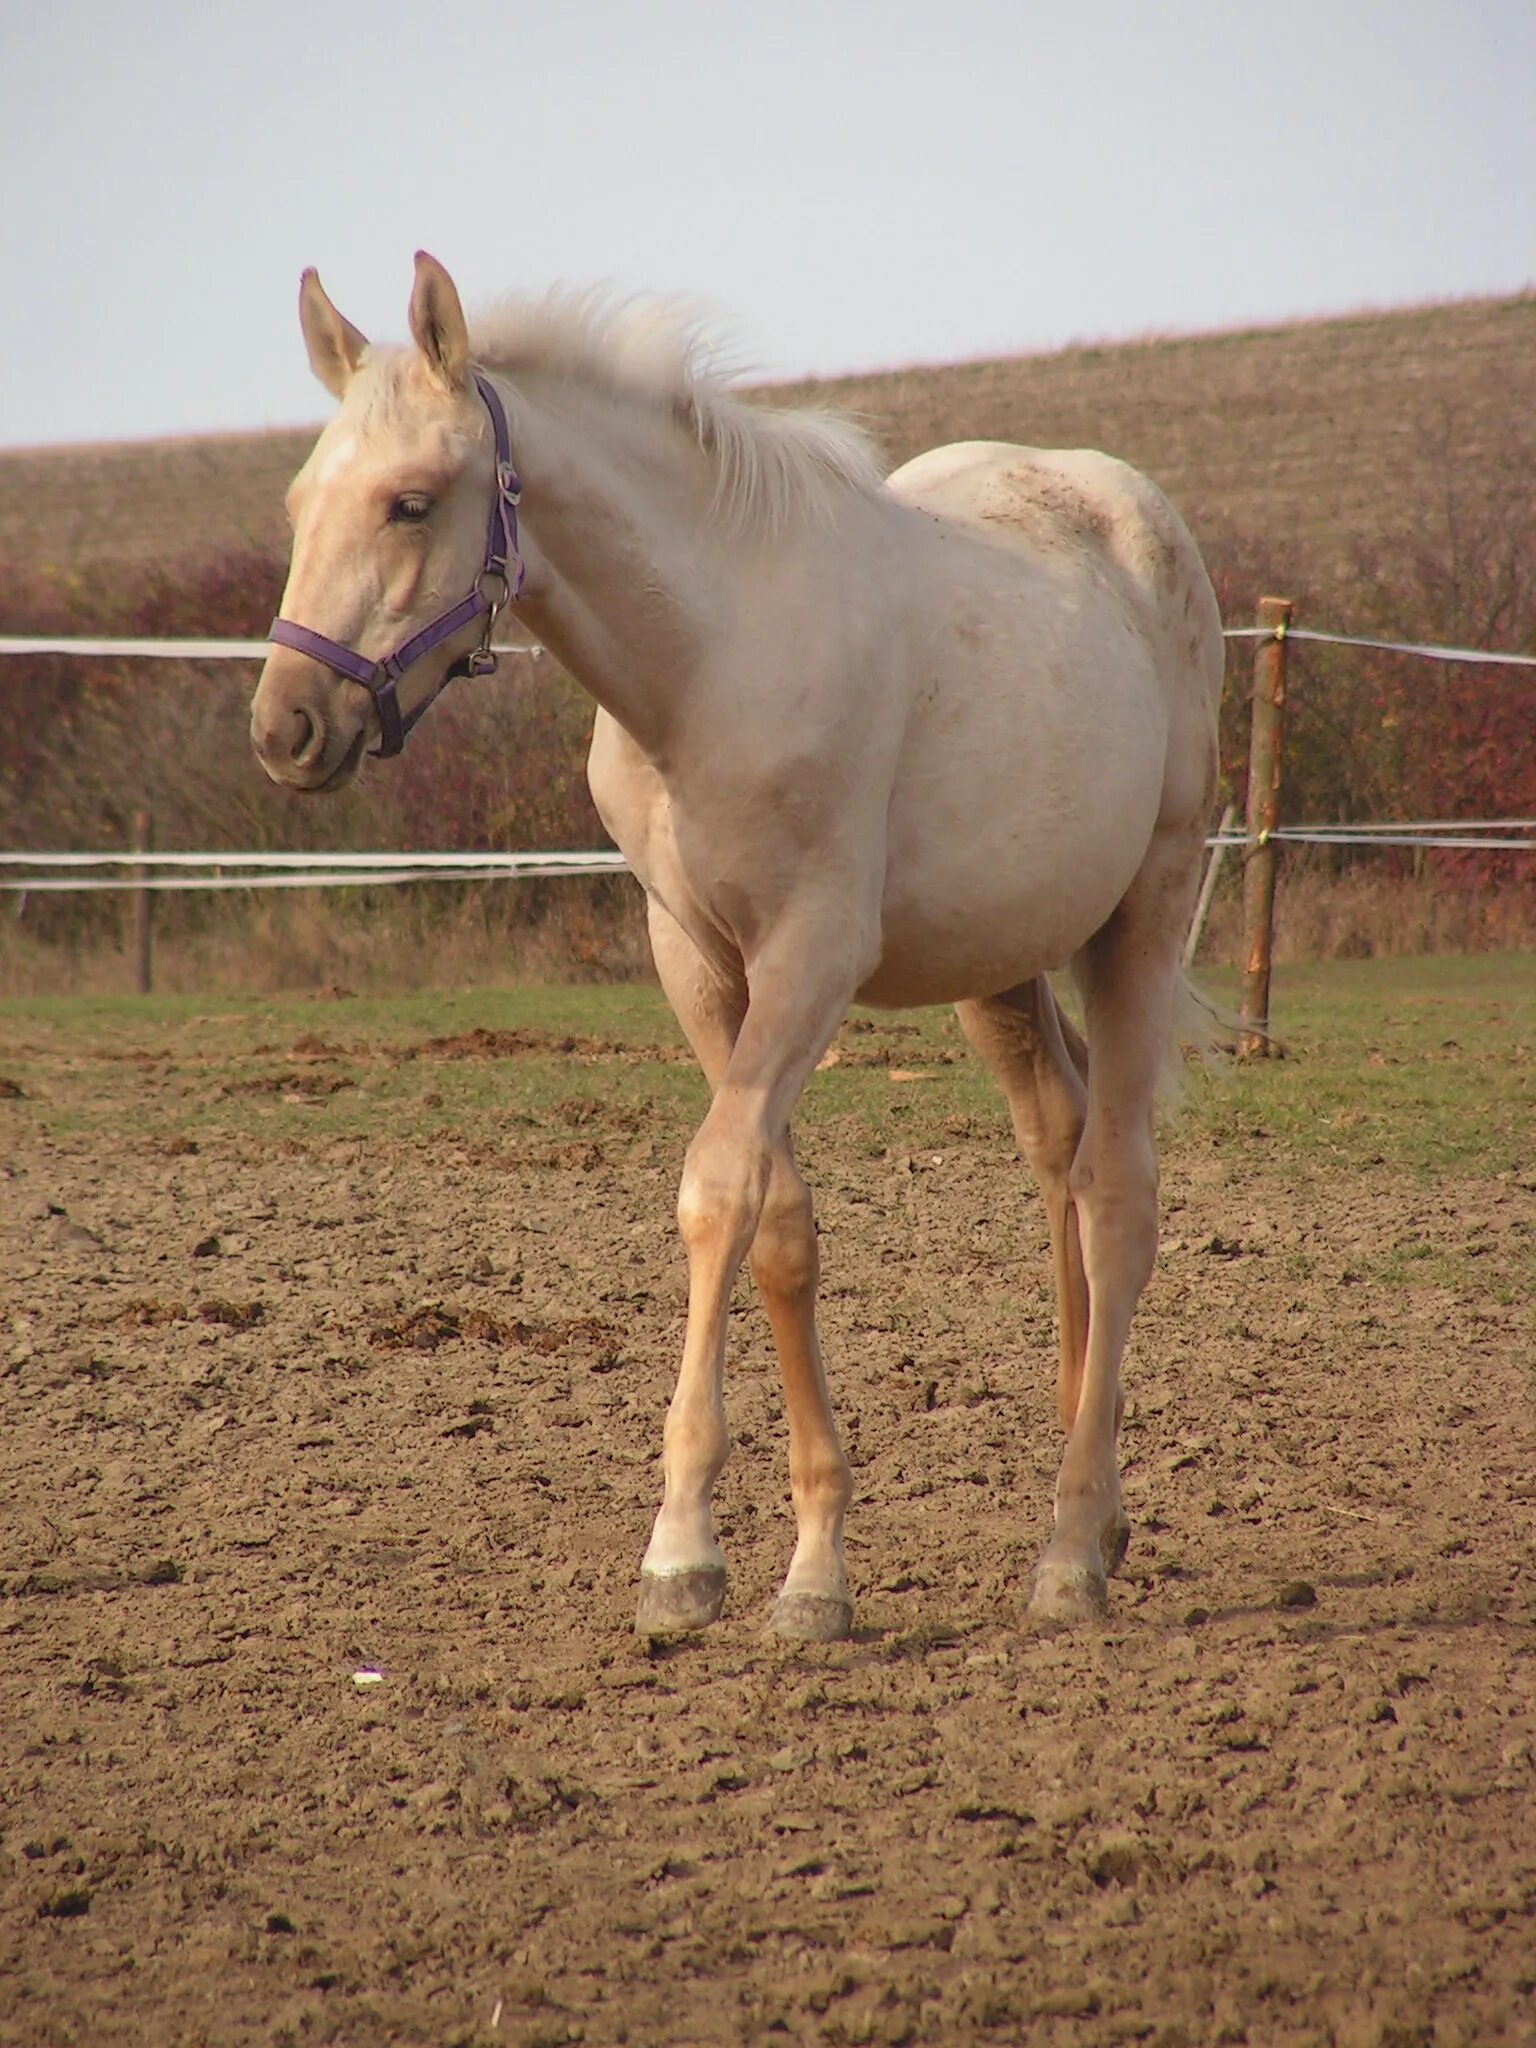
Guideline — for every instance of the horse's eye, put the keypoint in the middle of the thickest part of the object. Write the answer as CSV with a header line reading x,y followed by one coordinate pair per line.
x,y
409,510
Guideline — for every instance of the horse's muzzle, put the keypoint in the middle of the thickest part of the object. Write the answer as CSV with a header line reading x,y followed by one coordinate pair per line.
x,y
303,741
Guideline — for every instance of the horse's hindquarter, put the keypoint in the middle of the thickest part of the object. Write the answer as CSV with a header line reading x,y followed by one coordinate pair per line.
x,y
1062,710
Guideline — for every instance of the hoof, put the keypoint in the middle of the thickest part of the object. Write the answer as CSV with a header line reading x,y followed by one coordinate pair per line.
x,y
812,1618
1066,1595
671,1603
1114,1543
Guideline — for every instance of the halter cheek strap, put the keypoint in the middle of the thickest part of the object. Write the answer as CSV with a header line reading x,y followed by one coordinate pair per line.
x,y
500,581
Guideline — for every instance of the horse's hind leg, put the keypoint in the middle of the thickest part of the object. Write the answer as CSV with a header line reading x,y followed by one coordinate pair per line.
x,y
1128,973
815,1604
1041,1066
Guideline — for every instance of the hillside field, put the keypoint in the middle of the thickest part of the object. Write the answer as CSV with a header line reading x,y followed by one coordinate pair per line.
x,y
1316,437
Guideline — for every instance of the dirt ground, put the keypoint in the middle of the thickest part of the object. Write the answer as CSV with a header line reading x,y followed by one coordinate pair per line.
x,y
326,1461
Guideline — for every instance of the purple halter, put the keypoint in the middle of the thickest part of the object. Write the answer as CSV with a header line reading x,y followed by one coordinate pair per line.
x,y
503,565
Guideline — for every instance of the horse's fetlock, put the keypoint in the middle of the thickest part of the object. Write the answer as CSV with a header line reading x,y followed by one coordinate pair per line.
x,y
824,1477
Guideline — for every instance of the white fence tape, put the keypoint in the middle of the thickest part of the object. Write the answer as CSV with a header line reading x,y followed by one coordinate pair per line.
x,y
177,650
372,870
1477,654
316,878
293,870
257,650
379,870
601,860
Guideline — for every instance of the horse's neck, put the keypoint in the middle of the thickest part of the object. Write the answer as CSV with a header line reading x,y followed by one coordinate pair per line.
x,y
622,557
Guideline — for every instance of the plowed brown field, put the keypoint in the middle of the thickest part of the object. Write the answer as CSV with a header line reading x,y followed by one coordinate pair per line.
x,y
345,1354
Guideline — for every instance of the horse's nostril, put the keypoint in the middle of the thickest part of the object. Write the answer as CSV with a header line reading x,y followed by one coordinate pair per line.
x,y
308,739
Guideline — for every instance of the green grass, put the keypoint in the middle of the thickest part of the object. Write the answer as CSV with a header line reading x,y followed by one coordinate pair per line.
x,y
1423,1066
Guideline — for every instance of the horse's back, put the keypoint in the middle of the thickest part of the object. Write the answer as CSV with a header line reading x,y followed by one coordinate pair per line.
x,y
1088,518
1071,503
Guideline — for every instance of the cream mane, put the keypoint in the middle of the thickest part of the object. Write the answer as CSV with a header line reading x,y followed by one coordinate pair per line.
x,y
653,352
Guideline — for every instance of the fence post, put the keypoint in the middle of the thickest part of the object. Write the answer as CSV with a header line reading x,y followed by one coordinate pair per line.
x,y
143,905
1262,855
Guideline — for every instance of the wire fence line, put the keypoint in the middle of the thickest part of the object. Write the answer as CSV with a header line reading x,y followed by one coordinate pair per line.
x,y
1486,656
258,650
177,650
293,870
289,870
53,872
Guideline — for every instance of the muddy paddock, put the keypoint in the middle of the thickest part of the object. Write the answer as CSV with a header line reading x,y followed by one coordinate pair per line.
x,y
332,1369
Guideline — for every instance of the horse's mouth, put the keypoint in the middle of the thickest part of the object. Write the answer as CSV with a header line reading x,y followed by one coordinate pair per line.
x,y
344,770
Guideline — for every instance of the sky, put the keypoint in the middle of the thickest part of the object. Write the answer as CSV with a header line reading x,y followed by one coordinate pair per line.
x,y
841,184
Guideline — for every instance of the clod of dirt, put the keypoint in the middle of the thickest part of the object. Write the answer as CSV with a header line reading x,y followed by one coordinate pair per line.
x,y
73,1236
65,1905
485,1043
234,1315
1116,1861
290,1083
473,1425
1296,1593
179,1148
424,1329
148,1314
1073,2003
206,1248
165,1572
11,1091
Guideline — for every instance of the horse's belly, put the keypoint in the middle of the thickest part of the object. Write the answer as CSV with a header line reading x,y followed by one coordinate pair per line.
x,y
985,936
1003,890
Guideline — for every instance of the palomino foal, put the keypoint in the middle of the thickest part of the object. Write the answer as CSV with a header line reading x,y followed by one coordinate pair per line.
x,y
902,744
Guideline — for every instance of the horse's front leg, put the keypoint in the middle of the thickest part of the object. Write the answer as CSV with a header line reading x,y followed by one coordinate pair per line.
x,y
725,1178
790,1019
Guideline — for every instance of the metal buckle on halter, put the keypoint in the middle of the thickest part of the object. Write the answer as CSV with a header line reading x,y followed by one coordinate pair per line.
x,y
509,483
482,662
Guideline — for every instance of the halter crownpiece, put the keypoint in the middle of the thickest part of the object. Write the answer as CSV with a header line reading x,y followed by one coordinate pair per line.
x,y
503,566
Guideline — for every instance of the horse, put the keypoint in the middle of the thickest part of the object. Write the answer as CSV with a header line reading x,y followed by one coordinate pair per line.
x,y
906,742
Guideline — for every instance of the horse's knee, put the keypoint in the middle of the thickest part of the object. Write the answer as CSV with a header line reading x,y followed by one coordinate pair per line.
x,y
784,1257
720,1197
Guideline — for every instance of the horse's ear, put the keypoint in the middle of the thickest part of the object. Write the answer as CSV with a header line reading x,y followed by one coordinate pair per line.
x,y
437,323
335,346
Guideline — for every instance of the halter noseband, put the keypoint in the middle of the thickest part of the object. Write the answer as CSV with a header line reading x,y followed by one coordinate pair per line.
x,y
503,565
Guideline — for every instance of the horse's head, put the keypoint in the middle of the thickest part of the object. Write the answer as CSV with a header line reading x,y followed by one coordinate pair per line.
x,y
389,530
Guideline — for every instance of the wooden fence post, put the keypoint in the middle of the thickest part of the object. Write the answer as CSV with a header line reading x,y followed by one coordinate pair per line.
x,y
1262,855
143,905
